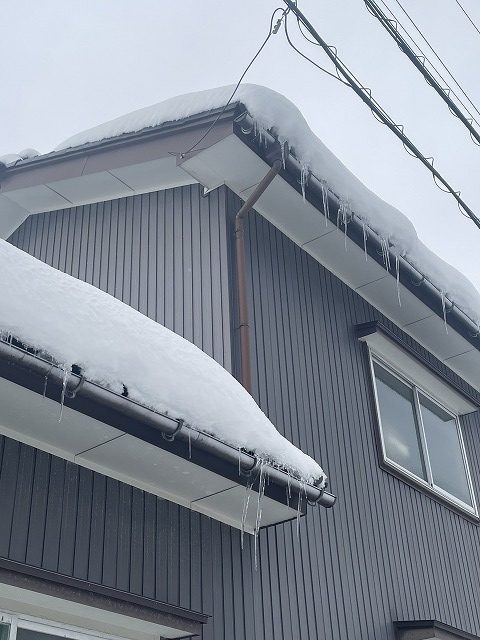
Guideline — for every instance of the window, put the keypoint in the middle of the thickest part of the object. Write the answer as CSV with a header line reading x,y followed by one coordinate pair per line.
x,y
23,627
420,437
4,631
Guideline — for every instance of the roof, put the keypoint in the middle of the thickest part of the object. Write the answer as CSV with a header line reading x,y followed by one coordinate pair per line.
x,y
381,257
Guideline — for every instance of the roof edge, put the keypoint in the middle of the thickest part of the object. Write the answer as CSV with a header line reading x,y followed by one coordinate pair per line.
x,y
314,191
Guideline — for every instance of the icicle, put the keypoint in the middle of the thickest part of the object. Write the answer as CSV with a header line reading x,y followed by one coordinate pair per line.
x,y
289,488
326,208
344,213
304,173
45,382
239,461
190,443
282,146
261,491
397,268
444,310
365,237
385,252
246,500
64,388
299,506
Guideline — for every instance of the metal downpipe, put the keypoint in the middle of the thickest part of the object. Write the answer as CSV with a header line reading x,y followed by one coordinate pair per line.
x,y
244,329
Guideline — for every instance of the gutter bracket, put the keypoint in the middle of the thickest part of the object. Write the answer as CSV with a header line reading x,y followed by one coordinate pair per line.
x,y
170,437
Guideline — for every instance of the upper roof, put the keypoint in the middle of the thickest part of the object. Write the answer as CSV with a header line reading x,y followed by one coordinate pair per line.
x,y
405,280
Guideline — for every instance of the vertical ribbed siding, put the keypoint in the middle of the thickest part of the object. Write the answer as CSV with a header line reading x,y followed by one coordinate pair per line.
x,y
386,551
163,253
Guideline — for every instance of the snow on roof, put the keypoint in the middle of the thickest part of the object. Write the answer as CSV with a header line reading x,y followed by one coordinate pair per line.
x,y
271,110
76,323
10,159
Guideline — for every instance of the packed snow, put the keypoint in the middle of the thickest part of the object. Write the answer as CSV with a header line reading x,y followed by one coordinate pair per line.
x,y
272,111
76,323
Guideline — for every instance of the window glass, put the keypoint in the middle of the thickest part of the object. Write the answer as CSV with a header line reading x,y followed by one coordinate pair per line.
x,y
30,634
4,631
444,450
397,414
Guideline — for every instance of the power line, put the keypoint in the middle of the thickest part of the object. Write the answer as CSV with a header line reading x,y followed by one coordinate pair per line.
x,y
419,63
365,95
332,75
273,29
467,97
473,23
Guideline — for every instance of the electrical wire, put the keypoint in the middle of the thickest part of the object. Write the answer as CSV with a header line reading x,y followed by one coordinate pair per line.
x,y
366,96
435,54
391,26
472,22
426,59
329,73
272,30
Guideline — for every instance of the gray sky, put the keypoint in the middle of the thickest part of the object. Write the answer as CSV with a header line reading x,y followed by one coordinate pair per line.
x,y
69,65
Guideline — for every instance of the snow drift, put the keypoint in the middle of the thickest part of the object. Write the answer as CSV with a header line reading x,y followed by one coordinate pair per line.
x,y
114,345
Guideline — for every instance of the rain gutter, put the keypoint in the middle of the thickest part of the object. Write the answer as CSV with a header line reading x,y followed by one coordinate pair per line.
x,y
409,276
75,385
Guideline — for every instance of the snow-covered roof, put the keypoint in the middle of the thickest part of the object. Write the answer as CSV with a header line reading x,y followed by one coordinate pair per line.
x,y
272,111
10,159
114,345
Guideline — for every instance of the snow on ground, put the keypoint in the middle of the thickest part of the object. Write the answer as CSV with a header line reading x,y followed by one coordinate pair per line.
x,y
115,345
271,110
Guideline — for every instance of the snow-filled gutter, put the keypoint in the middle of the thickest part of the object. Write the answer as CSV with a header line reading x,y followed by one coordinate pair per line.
x,y
315,192
72,388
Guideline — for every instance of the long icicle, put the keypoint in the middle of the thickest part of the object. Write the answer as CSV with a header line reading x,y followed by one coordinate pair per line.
x,y
64,388
397,267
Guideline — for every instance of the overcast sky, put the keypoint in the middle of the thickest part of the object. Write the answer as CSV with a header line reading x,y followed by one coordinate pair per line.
x,y
69,65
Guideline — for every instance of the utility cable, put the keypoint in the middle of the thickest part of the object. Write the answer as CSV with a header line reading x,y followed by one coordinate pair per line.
x,y
419,63
472,22
423,55
365,95
435,54
332,75
271,31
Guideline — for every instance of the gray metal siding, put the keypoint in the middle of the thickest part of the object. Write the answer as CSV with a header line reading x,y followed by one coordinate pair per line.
x,y
386,551
163,253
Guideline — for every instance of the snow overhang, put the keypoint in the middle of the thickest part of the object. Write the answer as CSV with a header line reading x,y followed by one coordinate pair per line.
x,y
109,433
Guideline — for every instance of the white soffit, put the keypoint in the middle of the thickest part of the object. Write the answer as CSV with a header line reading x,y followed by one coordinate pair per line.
x,y
154,175
28,417
235,164
37,199
88,619
413,370
11,216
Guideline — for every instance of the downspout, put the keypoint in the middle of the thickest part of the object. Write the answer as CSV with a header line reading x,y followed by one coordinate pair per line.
x,y
244,329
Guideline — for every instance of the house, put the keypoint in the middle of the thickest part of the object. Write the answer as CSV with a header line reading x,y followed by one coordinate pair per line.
x,y
142,493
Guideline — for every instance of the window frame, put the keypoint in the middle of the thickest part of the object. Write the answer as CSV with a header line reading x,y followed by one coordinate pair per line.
x,y
429,485
18,621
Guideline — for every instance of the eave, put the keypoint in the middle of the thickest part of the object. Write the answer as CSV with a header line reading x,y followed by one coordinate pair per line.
x,y
68,416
